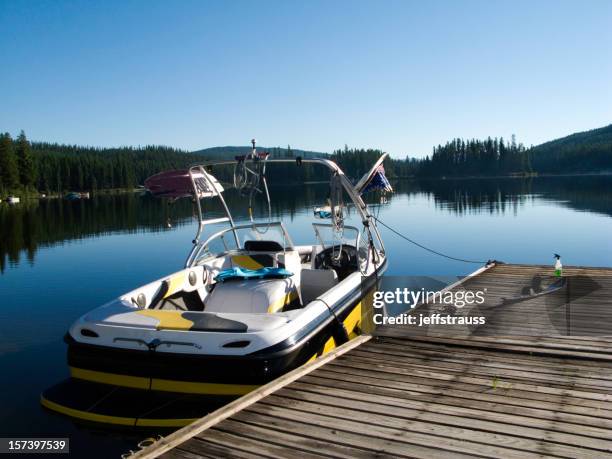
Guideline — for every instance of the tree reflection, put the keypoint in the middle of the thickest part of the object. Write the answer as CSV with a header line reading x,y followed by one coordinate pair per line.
x,y
32,224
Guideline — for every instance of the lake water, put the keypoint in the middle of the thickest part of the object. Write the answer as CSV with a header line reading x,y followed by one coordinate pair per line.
x,y
59,259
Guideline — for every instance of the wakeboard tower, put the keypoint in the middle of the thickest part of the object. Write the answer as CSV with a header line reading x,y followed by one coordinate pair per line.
x,y
248,306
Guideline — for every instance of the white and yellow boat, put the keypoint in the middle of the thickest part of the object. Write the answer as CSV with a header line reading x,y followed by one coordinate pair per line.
x,y
248,306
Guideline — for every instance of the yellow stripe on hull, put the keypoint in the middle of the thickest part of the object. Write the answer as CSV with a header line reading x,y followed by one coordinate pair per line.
x,y
165,385
329,345
116,420
202,388
351,323
135,382
353,320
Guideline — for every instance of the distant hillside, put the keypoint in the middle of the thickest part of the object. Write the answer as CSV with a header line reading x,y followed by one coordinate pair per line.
x,y
231,152
582,152
588,151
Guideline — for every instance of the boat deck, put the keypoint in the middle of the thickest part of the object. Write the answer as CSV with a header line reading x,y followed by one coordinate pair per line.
x,y
536,381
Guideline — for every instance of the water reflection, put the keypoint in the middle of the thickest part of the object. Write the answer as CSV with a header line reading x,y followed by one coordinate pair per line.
x,y
503,195
33,224
26,227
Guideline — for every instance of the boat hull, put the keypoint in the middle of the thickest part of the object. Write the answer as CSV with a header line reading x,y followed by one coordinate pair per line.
x,y
139,383
191,373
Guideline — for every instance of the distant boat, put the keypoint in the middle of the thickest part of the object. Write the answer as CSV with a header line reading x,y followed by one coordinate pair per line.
x,y
74,196
12,199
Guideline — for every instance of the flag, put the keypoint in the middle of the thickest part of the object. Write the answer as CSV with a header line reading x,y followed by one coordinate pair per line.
x,y
378,181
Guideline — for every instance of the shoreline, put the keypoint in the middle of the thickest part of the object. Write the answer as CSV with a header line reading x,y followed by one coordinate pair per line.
x,y
110,191
477,177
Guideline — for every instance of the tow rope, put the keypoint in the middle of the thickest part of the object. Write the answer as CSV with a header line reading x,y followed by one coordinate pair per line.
x,y
479,262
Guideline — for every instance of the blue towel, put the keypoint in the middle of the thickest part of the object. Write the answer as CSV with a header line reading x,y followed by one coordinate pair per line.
x,y
322,213
262,273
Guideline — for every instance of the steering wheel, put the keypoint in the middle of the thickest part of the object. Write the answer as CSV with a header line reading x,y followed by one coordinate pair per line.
x,y
343,263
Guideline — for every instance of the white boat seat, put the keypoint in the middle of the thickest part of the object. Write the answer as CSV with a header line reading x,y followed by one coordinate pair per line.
x,y
315,282
253,296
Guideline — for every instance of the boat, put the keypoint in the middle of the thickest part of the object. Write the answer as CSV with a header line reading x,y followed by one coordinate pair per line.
x,y
248,306
75,195
13,200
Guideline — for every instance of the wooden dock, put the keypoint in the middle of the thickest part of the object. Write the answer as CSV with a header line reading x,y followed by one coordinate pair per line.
x,y
535,382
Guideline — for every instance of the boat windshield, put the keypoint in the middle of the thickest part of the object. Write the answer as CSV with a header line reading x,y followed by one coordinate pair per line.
x,y
328,236
271,236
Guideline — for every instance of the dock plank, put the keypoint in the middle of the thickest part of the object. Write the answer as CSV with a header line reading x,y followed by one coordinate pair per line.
x,y
457,414
392,437
448,393
434,429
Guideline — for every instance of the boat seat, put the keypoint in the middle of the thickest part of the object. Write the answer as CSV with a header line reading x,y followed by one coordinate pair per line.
x,y
253,296
256,261
260,254
289,259
315,282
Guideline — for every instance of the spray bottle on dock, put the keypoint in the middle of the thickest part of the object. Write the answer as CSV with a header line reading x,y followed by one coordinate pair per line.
x,y
558,266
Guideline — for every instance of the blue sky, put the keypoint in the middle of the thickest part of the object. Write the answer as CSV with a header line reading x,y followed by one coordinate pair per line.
x,y
396,75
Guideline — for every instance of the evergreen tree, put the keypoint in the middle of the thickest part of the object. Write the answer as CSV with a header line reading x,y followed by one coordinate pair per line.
x,y
503,155
8,163
27,173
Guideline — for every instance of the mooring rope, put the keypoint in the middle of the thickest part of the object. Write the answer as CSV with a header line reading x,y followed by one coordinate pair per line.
x,y
427,248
